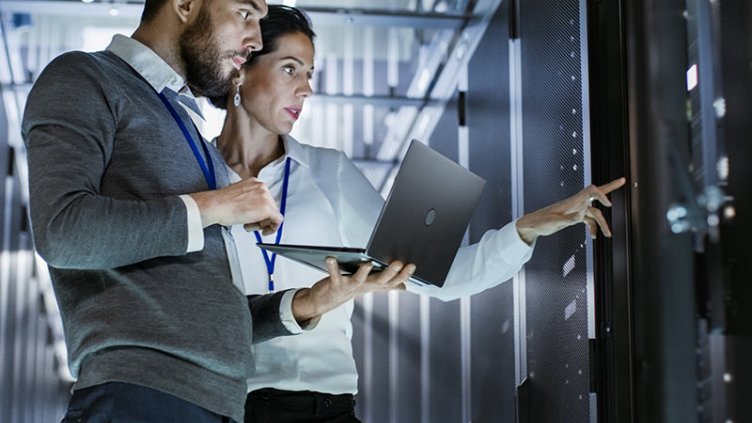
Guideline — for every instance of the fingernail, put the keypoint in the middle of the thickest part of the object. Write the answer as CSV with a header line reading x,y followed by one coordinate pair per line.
x,y
411,269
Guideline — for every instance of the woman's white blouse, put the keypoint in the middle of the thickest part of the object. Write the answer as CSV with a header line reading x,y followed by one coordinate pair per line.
x,y
331,203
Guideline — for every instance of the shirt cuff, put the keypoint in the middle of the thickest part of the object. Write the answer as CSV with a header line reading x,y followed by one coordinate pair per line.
x,y
288,319
195,228
510,244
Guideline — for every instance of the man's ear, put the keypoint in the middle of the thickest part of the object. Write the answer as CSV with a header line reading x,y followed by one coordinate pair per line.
x,y
186,10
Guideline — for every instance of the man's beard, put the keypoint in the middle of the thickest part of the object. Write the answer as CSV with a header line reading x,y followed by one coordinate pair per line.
x,y
203,59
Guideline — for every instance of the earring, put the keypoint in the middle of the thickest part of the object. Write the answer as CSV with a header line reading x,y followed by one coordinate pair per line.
x,y
236,99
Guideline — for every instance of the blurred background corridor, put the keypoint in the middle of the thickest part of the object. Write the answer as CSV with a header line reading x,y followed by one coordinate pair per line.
x,y
540,98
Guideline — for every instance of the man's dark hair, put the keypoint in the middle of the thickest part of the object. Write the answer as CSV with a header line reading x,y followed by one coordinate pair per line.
x,y
151,7
280,21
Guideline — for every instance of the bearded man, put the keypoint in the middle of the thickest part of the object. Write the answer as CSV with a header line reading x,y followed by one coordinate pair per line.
x,y
128,207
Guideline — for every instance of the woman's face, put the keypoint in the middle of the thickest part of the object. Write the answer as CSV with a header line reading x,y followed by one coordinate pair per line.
x,y
276,84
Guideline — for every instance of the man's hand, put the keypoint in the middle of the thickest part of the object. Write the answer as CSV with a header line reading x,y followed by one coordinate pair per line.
x,y
335,290
247,202
571,211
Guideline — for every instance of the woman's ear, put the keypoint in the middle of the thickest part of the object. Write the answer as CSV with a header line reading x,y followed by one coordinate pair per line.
x,y
239,78
237,82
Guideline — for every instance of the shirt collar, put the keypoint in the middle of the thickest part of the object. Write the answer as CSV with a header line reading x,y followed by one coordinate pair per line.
x,y
154,70
295,150
148,64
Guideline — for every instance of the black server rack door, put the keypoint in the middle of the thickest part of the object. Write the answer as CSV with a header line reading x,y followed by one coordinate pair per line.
x,y
553,146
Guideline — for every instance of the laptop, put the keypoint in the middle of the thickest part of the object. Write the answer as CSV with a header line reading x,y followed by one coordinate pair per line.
x,y
422,222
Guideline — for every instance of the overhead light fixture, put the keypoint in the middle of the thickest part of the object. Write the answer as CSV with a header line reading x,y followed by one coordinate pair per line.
x,y
87,1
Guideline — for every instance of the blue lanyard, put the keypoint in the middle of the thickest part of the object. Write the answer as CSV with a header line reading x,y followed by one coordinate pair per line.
x,y
206,168
271,262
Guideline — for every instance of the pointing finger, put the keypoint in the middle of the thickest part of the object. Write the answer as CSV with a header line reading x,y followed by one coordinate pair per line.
x,y
615,184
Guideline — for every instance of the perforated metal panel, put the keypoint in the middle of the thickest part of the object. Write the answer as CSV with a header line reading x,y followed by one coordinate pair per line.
x,y
553,168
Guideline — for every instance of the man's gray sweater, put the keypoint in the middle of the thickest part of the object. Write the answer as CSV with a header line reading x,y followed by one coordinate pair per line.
x,y
107,163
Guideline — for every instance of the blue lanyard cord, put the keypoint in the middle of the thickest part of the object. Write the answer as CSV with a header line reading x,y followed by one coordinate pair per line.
x,y
271,262
206,168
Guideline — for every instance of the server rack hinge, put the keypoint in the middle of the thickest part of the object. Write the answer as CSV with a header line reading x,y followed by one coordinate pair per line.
x,y
522,396
462,108
514,24
593,352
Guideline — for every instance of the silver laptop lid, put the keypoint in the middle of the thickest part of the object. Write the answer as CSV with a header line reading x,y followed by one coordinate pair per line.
x,y
427,212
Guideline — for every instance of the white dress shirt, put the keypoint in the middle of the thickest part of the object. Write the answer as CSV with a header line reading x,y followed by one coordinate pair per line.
x,y
331,203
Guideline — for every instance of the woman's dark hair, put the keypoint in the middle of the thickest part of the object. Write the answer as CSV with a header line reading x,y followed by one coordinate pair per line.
x,y
280,21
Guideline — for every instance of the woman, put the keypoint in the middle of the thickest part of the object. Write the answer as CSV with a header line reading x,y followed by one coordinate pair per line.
x,y
327,201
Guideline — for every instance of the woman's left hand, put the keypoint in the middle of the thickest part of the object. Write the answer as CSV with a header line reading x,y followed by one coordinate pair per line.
x,y
336,289
570,211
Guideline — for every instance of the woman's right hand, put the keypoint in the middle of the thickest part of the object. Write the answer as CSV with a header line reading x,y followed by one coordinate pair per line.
x,y
337,289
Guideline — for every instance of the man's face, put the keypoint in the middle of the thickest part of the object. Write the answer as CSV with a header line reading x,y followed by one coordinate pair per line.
x,y
219,40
